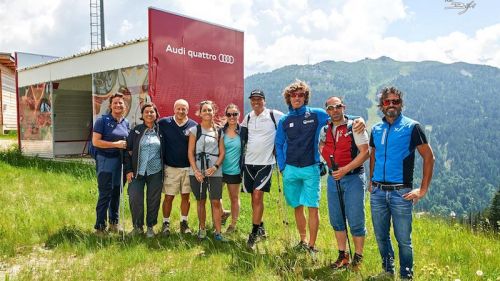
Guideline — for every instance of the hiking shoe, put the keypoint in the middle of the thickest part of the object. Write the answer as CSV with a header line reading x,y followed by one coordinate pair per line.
x,y
220,238
224,217
136,231
342,261
383,276
252,239
150,233
165,229
101,233
202,234
115,228
185,228
301,247
231,229
356,262
261,233
313,251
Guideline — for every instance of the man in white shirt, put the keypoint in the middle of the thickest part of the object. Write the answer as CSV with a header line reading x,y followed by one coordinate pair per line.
x,y
259,159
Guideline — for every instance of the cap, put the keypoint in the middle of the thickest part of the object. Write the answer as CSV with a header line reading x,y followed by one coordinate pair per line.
x,y
257,93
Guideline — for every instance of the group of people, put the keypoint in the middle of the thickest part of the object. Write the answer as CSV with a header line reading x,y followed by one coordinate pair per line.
x,y
176,155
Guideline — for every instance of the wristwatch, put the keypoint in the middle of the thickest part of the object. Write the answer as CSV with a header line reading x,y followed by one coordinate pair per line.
x,y
216,166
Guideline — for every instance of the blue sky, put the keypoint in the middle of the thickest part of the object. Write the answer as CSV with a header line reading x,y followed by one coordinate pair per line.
x,y
277,32
430,19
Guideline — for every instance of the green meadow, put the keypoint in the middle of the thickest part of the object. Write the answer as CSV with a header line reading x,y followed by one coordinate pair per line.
x,y
46,233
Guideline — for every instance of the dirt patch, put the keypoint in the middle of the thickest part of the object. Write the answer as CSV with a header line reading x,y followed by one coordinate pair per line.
x,y
4,144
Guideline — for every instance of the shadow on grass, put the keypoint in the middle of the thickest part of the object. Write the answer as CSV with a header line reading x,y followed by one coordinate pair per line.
x,y
14,157
278,256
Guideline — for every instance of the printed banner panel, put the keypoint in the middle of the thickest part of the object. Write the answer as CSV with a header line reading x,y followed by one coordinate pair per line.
x,y
35,112
195,61
132,82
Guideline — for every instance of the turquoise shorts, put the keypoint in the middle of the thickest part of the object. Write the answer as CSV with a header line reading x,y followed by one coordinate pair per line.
x,y
302,186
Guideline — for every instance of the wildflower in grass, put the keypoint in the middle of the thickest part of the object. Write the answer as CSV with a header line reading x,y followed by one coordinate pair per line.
x,y
479,273
456,279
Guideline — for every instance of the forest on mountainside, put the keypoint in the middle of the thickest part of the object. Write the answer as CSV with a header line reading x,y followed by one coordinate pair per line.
x,y
457,104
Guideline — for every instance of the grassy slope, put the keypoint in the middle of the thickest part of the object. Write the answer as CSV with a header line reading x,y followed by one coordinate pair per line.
x,y
46,233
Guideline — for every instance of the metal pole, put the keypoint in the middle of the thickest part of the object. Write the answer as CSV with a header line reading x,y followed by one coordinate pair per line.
x,y
340,193
101,16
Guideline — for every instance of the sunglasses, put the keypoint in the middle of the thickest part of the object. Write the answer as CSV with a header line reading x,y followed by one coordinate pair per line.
x,y
233,114
300,95
337,106
389,102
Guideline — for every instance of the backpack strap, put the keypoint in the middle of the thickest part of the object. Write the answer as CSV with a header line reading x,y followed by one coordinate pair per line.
x,y
271,112
198,132
354,147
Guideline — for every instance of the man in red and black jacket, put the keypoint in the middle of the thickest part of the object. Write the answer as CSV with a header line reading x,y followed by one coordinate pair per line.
x,y
349,150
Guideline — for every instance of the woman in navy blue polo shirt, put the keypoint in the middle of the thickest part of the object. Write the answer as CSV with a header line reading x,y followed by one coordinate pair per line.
x,y
109,138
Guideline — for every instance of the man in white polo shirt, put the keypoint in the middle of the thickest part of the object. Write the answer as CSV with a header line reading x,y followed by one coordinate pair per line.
x,y
260,127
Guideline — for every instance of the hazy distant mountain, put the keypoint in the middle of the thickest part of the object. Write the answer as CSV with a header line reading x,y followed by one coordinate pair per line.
x,y
457,103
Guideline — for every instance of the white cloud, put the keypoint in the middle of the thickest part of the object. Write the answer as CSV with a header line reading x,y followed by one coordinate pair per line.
x,y
126,27
26,22
277,32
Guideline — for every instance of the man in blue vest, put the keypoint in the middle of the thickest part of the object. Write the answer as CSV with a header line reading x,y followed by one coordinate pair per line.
x,y
393,142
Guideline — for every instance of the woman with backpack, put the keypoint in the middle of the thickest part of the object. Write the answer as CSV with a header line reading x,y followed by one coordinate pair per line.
x,y
206,153
231,173
144,167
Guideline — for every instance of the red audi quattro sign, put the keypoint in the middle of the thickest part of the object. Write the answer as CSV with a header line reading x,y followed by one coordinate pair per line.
x,y
193,60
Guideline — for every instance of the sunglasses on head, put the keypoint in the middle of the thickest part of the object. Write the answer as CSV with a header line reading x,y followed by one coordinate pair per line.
x,y
300,95
233,114
389,102
332,107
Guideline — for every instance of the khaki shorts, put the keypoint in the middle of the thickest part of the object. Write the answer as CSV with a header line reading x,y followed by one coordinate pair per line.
x,y
176,180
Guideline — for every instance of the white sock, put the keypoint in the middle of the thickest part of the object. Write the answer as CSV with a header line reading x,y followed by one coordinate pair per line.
x,y
184,218
166,220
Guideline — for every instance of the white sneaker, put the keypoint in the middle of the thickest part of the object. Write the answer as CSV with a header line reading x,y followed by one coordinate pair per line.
x,y
150,233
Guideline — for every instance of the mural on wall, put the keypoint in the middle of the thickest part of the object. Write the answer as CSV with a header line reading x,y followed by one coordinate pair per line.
x,y
35,112
132,82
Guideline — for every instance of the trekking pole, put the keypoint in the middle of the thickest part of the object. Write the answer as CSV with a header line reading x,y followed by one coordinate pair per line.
x,y
341,201
282,206
121,209
202,168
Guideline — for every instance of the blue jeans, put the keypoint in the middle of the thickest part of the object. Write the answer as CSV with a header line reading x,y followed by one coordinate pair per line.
x,y
108,182
386,205
153,195
353,188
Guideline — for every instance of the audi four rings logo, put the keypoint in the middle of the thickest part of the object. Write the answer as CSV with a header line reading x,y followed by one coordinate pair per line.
x,y
226,58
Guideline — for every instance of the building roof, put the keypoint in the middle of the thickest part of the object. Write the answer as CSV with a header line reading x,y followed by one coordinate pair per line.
x,y
118,45
128,54
7,60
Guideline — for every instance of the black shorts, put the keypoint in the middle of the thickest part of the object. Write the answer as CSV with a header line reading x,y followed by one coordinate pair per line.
x,y
257,177
213,184
231,179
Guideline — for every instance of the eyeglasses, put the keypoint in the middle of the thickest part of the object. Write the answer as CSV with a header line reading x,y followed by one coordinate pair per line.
x,y
337,106
300,95
389,102
232,114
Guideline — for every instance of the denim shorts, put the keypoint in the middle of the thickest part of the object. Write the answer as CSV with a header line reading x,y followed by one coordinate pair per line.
x,y
353,189
302,186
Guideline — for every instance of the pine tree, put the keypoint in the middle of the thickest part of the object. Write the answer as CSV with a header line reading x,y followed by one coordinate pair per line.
x,y
494,215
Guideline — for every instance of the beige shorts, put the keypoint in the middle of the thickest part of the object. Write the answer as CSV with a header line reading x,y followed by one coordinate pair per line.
x,y
176,180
